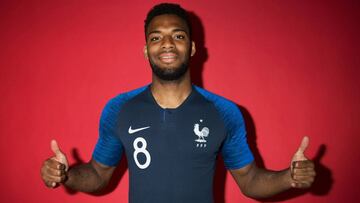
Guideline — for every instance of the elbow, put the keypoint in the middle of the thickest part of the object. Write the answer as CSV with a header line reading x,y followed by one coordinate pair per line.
x,y
95,189
250,194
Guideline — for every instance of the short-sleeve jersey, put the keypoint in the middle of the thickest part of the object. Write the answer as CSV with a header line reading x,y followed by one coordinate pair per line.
x,y
171,153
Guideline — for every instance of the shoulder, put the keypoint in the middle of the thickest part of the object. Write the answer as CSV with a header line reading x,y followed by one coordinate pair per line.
x,y
126,96
120,99
228,111
221,103
115,104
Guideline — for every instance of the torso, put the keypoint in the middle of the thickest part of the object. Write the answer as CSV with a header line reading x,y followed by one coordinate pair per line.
x,y
171,153
179,158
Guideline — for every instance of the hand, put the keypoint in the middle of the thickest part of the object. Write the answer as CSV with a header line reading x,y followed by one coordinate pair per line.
x,y
53,170
302,169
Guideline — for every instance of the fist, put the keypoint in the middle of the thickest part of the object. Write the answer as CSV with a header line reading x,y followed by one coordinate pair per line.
x,y
302,174
53,170
302,169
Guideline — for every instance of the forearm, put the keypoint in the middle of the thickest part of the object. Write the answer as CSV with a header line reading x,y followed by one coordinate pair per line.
x,y
84,178
267,183
257,183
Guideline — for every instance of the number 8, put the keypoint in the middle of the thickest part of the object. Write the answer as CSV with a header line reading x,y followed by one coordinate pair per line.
x,y
143,150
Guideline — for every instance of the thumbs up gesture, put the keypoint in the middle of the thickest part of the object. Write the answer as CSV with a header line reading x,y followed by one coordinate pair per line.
x,y
53,170
302,169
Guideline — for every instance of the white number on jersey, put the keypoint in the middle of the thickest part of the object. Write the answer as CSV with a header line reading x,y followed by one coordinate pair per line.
x,y
143,150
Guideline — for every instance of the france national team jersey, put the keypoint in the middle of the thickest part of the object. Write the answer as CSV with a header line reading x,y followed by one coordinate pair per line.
x,y
171,153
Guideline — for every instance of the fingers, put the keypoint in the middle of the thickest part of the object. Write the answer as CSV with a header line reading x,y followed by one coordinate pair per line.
x,y
302,185
53,172
50,184
54,169
303,164
53,163
303,174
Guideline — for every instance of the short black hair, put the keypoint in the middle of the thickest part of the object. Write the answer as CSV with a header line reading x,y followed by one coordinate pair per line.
x,y
167,8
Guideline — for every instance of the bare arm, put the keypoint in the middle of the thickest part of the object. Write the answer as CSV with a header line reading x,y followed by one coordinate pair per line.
x,y
261,183
89,177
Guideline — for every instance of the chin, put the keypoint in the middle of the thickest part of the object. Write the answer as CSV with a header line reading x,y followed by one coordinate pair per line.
x,y
170,71
170,74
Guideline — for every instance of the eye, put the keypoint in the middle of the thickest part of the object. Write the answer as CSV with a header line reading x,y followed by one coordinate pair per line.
x,y
179,36
153,39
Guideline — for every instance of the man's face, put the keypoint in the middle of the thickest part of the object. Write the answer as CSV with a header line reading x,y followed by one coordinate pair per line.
x,y
168,47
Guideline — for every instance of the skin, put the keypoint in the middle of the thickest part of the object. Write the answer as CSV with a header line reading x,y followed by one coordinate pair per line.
x,y
168,45
169,34
256,182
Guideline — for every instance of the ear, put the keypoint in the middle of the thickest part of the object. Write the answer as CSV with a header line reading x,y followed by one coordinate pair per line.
x,y
193,48
145,52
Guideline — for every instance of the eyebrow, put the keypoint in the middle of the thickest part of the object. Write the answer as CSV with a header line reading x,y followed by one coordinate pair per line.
x,y
174,30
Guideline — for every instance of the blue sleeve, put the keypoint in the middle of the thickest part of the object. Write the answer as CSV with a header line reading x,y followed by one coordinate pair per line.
x,y
108,149
235,151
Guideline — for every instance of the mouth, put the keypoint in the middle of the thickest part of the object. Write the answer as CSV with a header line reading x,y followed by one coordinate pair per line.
x,y
168,57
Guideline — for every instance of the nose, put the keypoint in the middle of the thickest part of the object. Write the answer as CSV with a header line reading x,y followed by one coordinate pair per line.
x,y
168,43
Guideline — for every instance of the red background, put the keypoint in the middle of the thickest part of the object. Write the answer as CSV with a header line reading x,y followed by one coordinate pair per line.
x,y
292,66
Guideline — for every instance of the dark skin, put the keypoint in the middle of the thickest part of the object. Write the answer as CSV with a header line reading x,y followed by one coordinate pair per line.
x,y
261,183
168,45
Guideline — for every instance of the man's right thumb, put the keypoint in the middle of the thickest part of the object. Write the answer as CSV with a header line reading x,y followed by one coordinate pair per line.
x,y
59,156
55,148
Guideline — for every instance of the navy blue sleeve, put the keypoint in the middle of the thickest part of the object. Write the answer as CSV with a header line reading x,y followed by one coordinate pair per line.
x,y
235,150
108,149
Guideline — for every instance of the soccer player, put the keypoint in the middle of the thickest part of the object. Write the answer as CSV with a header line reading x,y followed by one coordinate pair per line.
x,y
172,131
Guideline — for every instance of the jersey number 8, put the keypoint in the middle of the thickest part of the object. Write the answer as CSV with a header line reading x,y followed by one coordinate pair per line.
x,y
143,150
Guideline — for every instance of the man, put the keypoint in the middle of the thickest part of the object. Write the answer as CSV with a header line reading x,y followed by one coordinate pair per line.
x,y
172,132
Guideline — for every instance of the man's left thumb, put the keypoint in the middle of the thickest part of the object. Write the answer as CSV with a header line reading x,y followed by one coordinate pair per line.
x,y
299,155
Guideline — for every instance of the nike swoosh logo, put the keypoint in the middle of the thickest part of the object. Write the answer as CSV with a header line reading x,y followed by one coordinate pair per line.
x,y
132,131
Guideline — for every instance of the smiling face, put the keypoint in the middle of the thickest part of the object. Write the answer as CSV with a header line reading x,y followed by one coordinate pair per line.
x,y
168,47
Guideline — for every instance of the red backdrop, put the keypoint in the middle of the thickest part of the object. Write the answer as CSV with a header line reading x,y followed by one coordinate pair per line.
x,y
292,67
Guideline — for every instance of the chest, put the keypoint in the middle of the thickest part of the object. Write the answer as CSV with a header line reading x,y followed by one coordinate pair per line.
x,y
153,137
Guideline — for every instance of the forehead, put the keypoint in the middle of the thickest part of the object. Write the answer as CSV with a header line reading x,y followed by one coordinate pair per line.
x,y
167,21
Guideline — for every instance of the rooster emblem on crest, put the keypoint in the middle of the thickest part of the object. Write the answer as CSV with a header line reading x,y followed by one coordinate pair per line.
x,y
202,134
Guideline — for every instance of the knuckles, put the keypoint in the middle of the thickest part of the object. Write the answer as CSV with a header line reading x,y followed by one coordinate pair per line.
x,y
52,172
303,164
303,174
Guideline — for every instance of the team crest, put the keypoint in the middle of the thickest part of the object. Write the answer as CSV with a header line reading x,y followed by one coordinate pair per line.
x,y
202,134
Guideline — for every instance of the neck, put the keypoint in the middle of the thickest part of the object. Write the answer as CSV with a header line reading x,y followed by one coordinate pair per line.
x,y
171,94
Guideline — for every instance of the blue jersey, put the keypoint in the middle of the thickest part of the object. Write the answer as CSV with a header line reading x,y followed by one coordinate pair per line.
x,y
171,153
